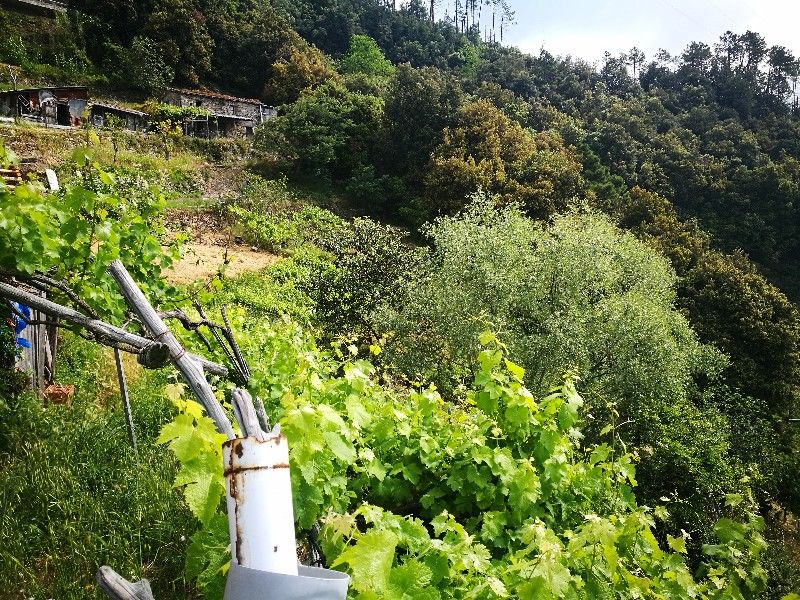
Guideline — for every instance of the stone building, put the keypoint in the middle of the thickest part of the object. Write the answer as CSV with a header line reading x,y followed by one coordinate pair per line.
x,y
227,116
63,106
134,120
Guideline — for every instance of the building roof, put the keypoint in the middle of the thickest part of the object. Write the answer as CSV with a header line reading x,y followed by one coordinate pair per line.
x,y
122,109
47,4
214,95
77,88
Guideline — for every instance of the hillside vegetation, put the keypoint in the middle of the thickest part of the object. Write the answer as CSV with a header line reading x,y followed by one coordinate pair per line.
x,y
567,369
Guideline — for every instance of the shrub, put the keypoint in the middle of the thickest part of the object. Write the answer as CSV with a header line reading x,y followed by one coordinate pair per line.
x,y
577,295
373,266
279,233
327,133
277,291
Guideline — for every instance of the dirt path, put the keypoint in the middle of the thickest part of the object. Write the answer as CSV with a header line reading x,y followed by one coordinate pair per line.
x,y
201,261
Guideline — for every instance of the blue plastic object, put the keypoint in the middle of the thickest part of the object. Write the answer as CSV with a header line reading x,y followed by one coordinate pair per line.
x,y
20,325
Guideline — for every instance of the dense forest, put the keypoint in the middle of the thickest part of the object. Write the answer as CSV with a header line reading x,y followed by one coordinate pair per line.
x,y
634,225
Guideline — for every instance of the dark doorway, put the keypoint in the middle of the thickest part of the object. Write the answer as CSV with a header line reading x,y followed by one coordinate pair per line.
x,y
62,114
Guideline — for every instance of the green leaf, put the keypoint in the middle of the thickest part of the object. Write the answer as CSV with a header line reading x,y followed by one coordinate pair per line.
x,y
174,391
370,561
411,581
550,580
733,499
204,487
181,426
515,369
678,544
486,402
343,450
209,548
486,338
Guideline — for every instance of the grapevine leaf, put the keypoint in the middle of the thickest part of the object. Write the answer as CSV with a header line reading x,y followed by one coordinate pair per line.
x,y
343,450
181,426
411,581
203,486
677,544
370,561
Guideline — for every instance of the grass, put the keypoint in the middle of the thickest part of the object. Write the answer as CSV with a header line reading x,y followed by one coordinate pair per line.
x,y
277,290
136,149
191,172
74,495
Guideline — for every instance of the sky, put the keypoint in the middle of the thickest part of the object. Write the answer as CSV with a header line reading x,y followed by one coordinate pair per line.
x,y
587,28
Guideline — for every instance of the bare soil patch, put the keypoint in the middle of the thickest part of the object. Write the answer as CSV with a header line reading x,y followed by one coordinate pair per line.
x,y
202,261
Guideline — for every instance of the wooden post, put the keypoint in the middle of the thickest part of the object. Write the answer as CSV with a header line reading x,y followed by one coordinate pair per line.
x,y
189,367
118,588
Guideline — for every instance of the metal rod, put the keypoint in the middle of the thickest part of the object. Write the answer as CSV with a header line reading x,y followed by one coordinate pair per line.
x,y
126,402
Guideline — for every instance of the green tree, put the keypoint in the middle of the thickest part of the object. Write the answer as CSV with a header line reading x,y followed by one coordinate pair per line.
x,y
328,132
299,66
485,150
420,104
366,57
144,66
730,304
248,38
179,29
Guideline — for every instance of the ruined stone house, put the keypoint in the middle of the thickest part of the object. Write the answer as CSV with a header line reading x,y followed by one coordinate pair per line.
x,y
227,116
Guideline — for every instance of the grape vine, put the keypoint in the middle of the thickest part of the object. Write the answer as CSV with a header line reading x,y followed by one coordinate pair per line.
x,y
492,496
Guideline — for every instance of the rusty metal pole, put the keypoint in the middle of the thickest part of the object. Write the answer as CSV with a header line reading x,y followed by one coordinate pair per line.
x,y
260,512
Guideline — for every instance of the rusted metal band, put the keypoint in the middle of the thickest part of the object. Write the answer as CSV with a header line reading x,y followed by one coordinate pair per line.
x,y
235,470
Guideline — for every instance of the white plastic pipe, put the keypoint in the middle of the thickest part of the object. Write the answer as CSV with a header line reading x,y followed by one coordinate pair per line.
x,y
260,513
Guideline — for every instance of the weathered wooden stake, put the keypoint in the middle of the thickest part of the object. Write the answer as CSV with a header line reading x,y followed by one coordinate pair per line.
x,y
118,588
189,367
246,415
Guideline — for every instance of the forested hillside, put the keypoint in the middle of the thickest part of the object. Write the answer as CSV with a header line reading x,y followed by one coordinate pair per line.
x,y
714,129
629,233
